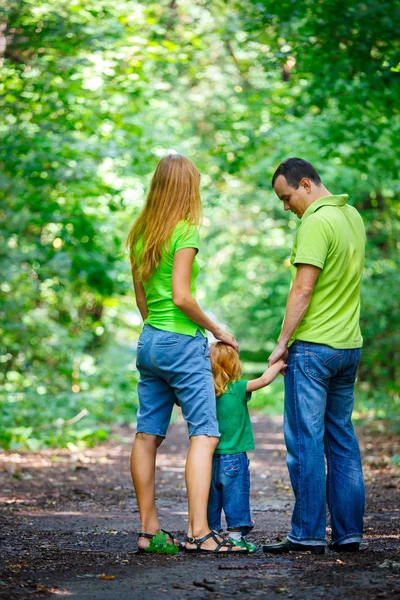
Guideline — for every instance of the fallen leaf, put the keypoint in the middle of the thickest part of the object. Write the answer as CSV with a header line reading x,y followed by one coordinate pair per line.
x,y
42,589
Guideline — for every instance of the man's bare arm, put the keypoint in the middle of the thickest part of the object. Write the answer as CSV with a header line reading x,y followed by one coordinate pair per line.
x,y
297,304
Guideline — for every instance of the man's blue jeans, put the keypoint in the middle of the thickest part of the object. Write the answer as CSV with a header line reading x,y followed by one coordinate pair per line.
x,y
319,398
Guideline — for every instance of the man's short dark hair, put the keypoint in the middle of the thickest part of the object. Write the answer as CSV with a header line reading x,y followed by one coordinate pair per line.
x,y
294,169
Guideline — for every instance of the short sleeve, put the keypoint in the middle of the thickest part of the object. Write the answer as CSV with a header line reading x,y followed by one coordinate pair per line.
x,y
186,236
312,243
240,389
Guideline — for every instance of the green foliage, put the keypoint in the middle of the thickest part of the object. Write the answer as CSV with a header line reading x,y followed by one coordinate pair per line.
x,y
104,393
93,93
269,400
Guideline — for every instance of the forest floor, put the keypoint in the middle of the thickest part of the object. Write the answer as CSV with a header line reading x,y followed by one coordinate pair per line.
x,y
69,522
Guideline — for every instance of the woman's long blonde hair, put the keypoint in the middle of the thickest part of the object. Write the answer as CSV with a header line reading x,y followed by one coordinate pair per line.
x,y
225,366
174,196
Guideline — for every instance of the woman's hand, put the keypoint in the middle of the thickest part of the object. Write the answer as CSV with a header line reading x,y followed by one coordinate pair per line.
x,y
226,338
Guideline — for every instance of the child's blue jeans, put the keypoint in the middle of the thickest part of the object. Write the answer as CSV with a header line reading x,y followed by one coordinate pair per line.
x,y
230,492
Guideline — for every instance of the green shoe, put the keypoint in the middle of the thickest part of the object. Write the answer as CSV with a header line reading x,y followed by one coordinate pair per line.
x,y
159,543
245,545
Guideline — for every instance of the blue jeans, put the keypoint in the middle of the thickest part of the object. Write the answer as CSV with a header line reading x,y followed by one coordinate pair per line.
x,y
319,398
230,492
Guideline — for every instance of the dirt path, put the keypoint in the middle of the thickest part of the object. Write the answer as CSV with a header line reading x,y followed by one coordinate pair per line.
x,y
68,519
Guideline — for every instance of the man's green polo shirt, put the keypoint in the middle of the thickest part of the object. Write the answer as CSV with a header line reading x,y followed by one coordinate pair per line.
x,y
331,236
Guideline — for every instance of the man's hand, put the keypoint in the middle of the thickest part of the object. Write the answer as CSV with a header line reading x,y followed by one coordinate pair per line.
x,y
280,352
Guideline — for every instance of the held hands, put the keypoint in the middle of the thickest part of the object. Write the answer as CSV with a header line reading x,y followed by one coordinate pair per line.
x,y
275,369
280,352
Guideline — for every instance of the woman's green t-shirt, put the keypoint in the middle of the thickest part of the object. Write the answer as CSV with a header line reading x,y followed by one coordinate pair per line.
x,y
163,314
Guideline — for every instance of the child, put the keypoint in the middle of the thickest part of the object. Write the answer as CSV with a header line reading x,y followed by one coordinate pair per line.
x,y
230,483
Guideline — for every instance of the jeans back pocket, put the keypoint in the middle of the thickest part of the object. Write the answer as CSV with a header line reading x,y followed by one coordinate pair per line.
x,y
231,467
322,362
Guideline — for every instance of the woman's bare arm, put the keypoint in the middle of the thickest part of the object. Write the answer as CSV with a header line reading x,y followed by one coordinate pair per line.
x,y
183,299
140,296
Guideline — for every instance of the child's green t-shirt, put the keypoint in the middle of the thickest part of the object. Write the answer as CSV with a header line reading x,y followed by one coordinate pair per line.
x,y
234,420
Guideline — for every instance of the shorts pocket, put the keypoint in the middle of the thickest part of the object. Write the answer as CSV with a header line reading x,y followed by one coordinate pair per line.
x,y
232,467
167,340
205,352
144,337
202,345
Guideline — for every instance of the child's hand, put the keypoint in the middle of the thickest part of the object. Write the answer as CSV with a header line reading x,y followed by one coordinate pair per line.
x,y
275,369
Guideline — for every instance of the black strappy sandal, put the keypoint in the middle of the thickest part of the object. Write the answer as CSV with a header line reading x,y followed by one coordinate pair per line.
x,y
158,546
224,544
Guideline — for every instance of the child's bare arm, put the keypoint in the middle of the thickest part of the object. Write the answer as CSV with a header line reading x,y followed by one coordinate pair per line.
x,y
266,378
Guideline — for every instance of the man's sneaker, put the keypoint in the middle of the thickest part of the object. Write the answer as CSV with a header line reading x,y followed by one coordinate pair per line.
x,y
245,545
288,546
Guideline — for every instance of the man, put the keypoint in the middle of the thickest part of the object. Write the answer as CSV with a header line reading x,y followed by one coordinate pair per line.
x,y
321,343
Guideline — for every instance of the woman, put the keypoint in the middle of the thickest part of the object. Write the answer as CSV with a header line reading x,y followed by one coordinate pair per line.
x,y
173,357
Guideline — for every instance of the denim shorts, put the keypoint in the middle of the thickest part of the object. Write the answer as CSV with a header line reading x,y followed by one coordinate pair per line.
x,y
230,492
174,366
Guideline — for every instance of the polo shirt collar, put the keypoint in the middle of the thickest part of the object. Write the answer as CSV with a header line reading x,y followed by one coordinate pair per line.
x,y
339,200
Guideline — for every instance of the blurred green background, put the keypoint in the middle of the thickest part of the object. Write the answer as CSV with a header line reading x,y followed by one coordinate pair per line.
x,y
92,94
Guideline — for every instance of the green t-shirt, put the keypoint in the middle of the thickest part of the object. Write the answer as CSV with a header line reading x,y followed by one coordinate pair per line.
x,y
234,420
331,236
163,314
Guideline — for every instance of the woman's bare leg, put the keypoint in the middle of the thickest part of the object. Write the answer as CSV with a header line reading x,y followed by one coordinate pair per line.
x,y
198,481
143,468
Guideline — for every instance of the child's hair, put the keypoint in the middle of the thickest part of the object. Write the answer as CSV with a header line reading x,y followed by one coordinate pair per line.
x,y
225,366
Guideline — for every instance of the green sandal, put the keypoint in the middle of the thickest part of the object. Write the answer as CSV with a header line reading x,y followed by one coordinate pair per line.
x,y
158,543
224,544
245,544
